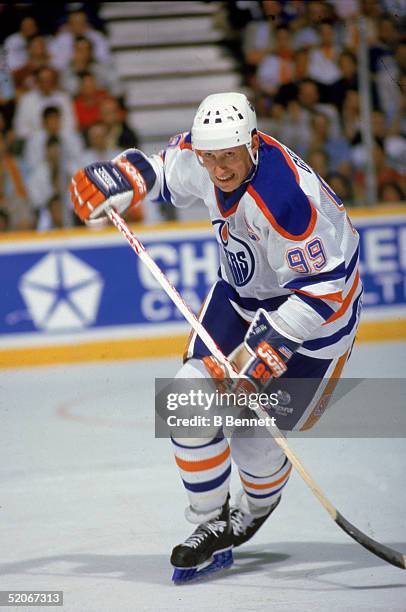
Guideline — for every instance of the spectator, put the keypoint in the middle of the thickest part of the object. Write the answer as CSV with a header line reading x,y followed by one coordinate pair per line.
x,y
323,60
391,69
120,135
15,45
50,178
342,187
304,28
13,192
71,144
98,146
77,25
390,192
349,80
395,151
301,112
51,216
83,61
4,221
289,91
379,132
283,46
398,124
273,72
350,116
318,160
38,57
309,100
384,173
273,123
295,128
259,36
337,149
385,44
31,104
88,101
371,11
276,68
7,91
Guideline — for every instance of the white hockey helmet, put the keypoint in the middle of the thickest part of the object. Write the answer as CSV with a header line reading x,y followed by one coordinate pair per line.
x,y
222,121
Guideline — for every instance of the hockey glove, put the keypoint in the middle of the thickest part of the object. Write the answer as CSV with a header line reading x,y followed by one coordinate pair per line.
x,y
269,348
117,184
223,379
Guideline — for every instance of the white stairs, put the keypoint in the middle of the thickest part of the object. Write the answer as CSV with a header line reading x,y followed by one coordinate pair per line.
x,y
169,56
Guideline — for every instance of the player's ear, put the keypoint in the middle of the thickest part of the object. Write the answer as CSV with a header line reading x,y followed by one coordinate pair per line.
x,y
255,143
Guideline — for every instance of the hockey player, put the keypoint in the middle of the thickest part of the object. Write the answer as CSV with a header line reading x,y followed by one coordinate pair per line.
x,y
288,281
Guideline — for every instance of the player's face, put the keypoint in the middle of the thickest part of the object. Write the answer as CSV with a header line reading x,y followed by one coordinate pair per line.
x,y
227,168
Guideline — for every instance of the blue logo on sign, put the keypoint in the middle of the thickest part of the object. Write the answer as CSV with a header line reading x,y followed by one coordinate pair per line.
x,y
240,258
61,292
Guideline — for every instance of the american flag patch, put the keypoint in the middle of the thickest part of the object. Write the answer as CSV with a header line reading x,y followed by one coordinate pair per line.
x,y
285,351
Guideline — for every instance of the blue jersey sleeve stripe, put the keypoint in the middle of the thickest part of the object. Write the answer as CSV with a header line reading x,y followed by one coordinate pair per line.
x,y
252,303
319,343
352,264
323,309
324,277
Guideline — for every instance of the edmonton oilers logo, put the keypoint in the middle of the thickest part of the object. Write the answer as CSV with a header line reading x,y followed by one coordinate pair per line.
x,y
240,258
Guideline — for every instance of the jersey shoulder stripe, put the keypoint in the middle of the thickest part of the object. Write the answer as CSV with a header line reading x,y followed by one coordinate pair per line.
x,y
182,140
276,191
186,142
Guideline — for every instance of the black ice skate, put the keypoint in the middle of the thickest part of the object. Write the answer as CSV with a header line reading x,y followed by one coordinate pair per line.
x,y
207,550
244,523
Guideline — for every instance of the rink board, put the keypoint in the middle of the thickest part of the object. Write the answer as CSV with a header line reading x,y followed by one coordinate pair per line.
x,y
78,295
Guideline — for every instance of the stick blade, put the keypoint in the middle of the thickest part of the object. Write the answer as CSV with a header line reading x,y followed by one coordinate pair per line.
x,y
390,555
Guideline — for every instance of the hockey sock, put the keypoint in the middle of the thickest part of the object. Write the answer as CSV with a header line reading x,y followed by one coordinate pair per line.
x,y
262,491
205,469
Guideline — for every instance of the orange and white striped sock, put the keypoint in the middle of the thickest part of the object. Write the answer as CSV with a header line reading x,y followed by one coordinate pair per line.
x,y
262,491
205,469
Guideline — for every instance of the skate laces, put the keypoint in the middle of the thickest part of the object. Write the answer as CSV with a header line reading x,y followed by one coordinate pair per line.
x,y
240,521
215,528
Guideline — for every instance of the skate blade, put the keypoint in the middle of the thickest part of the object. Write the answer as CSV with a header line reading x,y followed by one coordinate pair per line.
x,y
221,560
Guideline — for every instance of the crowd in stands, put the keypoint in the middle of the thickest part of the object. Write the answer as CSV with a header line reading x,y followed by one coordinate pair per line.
x,y
61,107
300,58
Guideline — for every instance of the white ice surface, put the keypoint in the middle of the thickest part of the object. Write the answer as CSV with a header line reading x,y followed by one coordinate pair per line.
x,y
92,504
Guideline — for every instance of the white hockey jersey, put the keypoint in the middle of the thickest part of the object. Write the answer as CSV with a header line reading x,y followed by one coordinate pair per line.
x,y
286,242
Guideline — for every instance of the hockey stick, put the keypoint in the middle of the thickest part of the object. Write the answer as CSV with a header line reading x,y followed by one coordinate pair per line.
x,y
384,552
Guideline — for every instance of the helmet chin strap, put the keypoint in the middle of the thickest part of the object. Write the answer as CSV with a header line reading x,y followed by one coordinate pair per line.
x,y
254,158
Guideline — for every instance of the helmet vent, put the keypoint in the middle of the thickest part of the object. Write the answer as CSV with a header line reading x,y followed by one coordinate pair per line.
x,y
224,120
